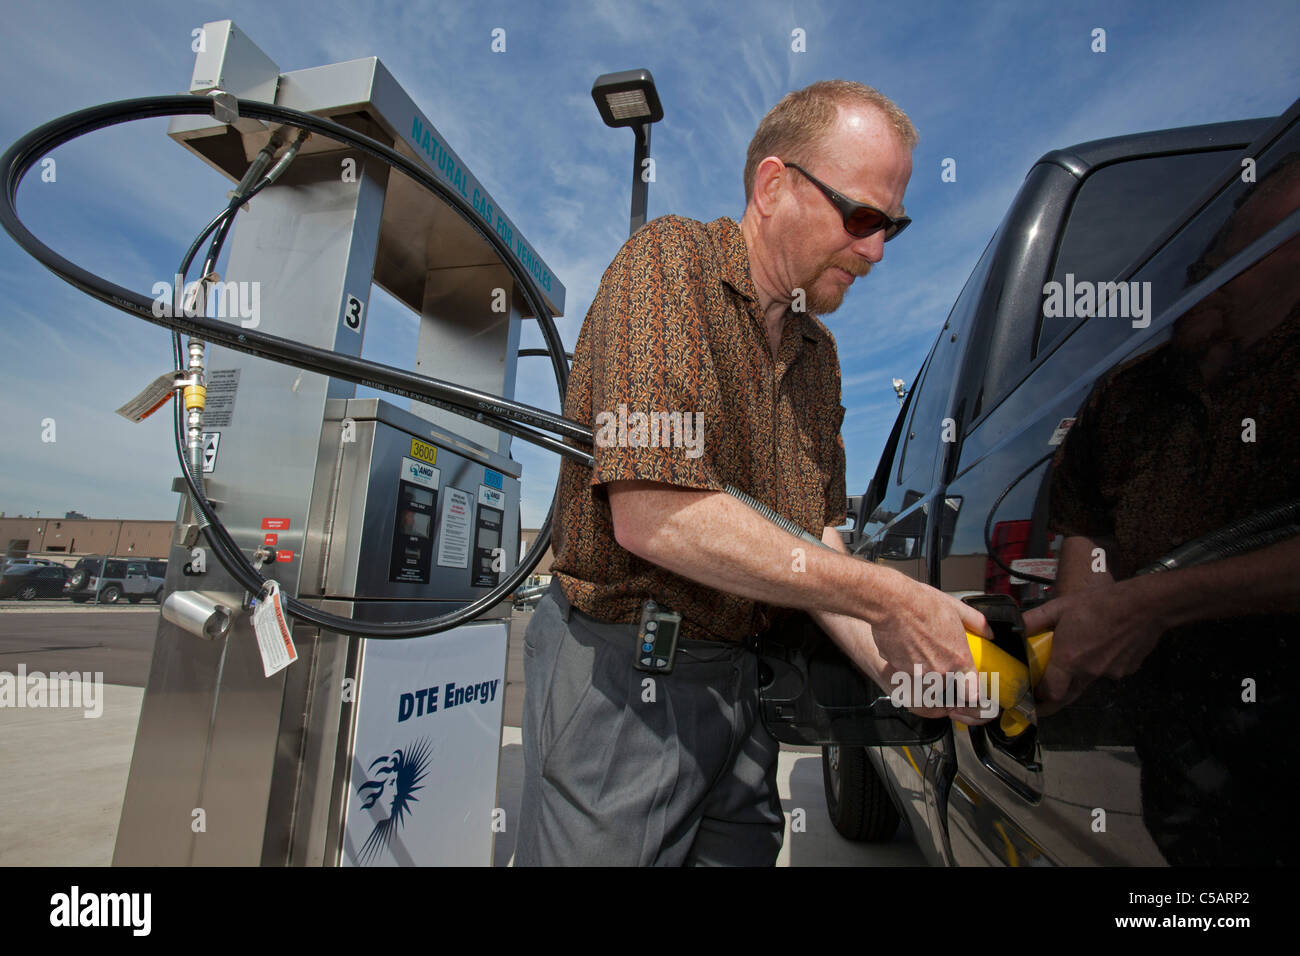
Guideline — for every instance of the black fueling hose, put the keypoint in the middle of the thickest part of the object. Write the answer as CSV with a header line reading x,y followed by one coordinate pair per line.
x,y
512,417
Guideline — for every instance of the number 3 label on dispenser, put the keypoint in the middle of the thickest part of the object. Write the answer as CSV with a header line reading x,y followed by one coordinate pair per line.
x,y
354,311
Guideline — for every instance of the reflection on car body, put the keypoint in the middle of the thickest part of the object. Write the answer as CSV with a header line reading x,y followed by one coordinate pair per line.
x,y
1089,449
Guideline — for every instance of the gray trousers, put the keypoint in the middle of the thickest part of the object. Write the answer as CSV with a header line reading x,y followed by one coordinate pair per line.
x,y
626,768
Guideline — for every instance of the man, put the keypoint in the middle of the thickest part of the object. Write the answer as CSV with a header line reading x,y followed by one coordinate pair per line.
x,y
712,326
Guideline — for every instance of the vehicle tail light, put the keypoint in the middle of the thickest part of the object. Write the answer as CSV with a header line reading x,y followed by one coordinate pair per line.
x,y
1010,543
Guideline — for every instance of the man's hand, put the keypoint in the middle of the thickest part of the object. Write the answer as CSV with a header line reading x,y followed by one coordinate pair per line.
x,y
1099,632
923,626
1107,629
947,616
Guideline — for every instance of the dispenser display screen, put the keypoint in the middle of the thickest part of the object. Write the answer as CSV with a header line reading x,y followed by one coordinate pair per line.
x,y
417,496
489,559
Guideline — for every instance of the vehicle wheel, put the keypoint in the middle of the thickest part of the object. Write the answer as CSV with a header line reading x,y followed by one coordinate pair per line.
x,y
856,798
77,581
28,593
110,595
79,600
134,598
158,596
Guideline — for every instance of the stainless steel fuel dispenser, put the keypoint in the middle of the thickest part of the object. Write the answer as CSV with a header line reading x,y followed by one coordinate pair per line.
x,y
360,752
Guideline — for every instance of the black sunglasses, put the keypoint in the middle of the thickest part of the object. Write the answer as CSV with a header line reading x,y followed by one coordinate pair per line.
x,y
860,220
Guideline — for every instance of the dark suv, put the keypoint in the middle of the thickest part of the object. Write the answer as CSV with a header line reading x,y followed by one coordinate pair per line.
x,y
1105,439
115,579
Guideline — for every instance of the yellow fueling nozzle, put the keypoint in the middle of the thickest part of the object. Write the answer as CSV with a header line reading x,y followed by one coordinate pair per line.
x,y
1014,681
1040,652
1012,676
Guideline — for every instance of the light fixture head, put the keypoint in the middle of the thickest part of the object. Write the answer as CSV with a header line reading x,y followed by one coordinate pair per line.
x,y
628,98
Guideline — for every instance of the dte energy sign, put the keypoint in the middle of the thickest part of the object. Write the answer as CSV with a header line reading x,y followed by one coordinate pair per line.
x,y
431,706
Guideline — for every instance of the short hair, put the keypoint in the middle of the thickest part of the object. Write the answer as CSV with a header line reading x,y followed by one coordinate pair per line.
x,y
802,120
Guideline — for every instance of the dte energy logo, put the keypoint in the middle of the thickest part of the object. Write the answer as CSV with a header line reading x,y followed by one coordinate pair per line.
x,y
390,792
102,909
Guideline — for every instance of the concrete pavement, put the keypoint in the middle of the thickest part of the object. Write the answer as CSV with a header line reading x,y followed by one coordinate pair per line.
x,y
63,775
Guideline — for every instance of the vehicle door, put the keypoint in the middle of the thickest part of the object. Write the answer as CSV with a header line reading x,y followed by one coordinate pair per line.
x,y
1078,788
137,579
50,580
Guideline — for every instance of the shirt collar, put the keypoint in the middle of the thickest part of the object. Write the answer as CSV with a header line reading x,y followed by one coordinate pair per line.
x,y
734,260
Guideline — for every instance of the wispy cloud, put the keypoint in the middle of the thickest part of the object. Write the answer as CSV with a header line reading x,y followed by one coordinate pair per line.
x,y
991,86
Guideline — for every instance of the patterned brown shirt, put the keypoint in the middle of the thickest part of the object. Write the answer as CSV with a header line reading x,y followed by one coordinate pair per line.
x,y
675,335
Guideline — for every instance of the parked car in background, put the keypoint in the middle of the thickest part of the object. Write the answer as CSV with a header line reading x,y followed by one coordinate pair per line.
x,y
7,563
111,580
1114,393
30,581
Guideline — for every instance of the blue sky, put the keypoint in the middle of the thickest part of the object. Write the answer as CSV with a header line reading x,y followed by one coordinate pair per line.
x,y
992,86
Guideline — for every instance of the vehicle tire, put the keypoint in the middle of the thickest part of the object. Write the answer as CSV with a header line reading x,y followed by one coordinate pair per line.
x,y
856,798
27,593
110,595
78,580
79,600
134,598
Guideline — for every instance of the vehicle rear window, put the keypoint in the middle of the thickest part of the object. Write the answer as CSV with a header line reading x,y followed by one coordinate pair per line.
x,y
1117,213
158,568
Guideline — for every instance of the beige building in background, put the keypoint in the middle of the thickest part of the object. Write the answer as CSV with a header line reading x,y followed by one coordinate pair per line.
x,y
543,570
65,539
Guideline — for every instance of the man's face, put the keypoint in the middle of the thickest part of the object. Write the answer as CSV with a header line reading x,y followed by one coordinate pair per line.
x,y
862,160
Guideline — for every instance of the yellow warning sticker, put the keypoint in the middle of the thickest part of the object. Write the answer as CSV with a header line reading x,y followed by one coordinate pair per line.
x,y
422,451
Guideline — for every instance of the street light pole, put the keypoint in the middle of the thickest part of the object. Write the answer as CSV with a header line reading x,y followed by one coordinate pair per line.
x,y
630,99
640,177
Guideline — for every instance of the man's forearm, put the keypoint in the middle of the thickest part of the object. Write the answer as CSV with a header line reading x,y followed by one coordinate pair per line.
x,y
712,538
852,635
1260,582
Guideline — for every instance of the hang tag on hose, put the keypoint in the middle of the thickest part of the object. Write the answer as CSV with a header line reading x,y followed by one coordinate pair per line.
x,y
273,638
153,397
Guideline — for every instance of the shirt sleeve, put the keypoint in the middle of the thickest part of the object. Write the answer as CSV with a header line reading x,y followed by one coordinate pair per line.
x,y
655,391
